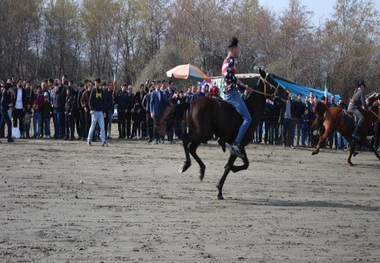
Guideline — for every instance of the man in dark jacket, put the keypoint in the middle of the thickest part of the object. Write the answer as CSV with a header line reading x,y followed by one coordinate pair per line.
x,y
69,116
19,106
96,104
58,105
6,103
121,100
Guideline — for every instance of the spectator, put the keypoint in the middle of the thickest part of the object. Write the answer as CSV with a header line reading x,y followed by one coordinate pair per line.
x,y
139,96
214,91
58,105
46,113
38,105
82,113
287,122
85,99
20,106
341,141
130,104
305,128
6,103
122,100
157,106
96,105
299,108
148,119
69,118
28,109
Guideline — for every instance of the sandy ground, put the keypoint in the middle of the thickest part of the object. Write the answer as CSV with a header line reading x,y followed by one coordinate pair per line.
x,y
67,202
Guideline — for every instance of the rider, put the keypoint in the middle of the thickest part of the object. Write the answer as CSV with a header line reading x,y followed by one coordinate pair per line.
x,y
358,101
232,96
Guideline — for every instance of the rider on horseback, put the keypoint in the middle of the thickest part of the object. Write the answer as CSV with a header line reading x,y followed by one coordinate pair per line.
x,y
232,96
357,101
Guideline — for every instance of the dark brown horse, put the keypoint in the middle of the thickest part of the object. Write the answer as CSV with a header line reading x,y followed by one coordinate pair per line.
x,y
342,121
208,117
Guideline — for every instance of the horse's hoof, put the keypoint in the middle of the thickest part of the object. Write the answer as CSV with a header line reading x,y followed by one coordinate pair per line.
x,y
202,175
354,154
183,168
351,164
220,197
314,153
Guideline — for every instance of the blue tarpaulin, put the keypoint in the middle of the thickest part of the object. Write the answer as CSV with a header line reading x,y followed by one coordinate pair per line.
x,y
297,88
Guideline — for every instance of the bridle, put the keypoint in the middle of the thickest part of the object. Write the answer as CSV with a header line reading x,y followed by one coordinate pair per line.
x,y
265,82
376,114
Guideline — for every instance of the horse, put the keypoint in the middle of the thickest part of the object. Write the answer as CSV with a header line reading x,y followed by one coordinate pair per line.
x,y
338,119
207,117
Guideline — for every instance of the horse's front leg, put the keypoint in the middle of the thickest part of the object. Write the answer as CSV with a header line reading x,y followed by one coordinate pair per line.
x,y
187,163
323,137
202,167
369,145
227,169
244,166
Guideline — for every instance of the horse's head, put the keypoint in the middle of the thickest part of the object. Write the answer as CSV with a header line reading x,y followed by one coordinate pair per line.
x,y
374,113
270,87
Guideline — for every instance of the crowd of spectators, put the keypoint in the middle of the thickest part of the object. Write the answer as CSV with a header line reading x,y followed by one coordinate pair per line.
x,y
68,107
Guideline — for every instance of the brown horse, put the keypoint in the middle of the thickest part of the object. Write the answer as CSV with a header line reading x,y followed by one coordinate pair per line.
x,y
208,117
342,121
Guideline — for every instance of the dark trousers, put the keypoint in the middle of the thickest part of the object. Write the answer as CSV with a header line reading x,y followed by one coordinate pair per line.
x,y
87,120
129,123
69,126
121,118
156,121
5,119
77,122
287,132
82,117
18,118
149,126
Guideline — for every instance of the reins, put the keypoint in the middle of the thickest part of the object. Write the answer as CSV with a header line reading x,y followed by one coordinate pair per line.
x,y
377,115
265,82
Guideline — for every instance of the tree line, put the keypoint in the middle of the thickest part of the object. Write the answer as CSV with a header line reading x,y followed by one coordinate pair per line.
x,y
143,39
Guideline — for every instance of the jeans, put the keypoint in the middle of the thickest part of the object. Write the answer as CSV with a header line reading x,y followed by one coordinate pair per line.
x,y
287,132
46,121
97,117
341,141
237,102
57,117
37,123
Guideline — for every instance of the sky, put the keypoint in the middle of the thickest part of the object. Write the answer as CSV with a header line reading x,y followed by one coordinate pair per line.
x,y
323,9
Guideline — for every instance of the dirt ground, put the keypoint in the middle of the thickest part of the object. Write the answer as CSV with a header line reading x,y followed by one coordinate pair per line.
x,y
67,202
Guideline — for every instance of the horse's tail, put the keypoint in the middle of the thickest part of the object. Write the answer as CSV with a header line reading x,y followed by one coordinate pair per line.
x,y
171,114
319,110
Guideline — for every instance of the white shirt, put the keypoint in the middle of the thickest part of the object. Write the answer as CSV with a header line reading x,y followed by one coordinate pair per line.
x,y
18,104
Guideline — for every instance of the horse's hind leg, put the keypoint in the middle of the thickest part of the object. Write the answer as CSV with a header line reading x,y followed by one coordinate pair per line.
x,y
192,149
369,145
227,169
187,163
352,151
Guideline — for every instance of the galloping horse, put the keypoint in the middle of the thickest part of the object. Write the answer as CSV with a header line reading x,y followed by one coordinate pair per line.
x,y
208,116
342,121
